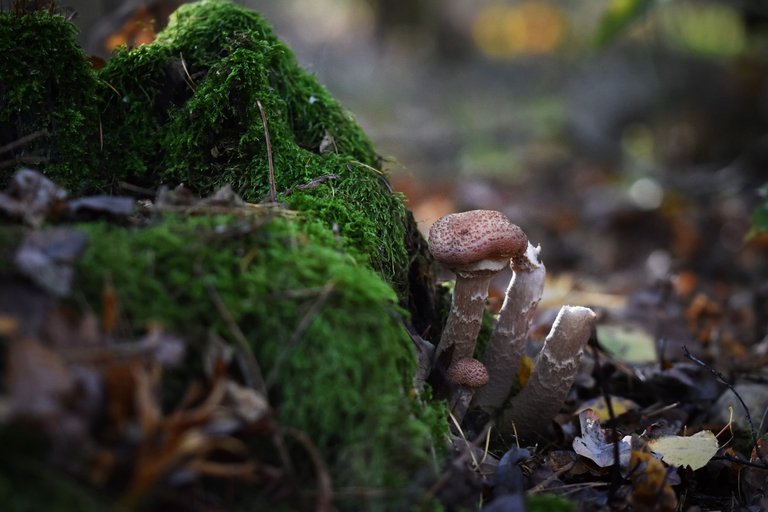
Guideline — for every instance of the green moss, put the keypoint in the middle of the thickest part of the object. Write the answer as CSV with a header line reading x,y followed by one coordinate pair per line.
x,y
47,88
341,364
549,503
188,111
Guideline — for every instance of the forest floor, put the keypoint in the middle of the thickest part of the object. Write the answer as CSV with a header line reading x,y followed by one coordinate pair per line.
x,y
657,242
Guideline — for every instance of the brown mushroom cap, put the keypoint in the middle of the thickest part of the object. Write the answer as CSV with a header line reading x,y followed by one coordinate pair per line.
x,y
470,240
468,372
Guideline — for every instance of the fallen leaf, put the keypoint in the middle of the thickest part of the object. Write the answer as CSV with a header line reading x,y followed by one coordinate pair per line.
x,y
525,370
594,446
694,451
628,343
47,257
651,488
600,407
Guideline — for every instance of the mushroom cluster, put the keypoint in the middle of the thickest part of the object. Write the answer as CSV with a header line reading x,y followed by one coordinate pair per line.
x,y
475,245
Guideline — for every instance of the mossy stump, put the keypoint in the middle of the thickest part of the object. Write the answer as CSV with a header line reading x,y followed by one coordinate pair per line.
x,y
321,294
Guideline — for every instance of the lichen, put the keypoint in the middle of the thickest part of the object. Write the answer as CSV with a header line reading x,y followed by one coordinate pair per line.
x,y
340,364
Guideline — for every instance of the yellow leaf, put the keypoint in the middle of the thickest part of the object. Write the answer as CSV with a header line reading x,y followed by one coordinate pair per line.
x,y
694,451
600,407
524,371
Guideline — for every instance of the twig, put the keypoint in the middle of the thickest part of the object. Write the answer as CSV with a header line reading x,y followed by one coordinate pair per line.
x,y
616,467
742,462
719,376
21,141
312,184
456,462
31,159
111,87
554,476
124,185
253,375
270,163
304,323
324,486
191,83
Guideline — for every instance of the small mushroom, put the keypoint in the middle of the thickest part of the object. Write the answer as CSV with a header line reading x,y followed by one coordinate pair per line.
x,y
474,245
469,375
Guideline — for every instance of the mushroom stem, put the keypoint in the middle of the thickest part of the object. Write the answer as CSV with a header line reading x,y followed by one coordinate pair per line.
x,y
504,352
538,402
463,325
460,401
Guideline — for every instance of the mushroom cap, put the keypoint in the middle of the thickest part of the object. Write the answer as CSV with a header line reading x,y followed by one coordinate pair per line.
x,y
476,240
468,372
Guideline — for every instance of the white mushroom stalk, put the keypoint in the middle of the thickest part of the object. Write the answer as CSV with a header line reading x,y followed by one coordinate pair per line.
x,y
475,245
538,402
466,315
504,352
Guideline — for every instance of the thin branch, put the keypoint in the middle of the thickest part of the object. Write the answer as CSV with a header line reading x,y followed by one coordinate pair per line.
x,y
272,186
324,485
254,374
304,323
31,159
188,78
22,141
312,184
748,463
719,376
603,385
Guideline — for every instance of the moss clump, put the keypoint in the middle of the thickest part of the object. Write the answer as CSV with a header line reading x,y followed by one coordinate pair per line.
x,y
48,93
188,111
339,360
317,297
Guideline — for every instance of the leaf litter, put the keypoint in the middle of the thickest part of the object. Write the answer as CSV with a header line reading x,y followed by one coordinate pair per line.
x,y
101,399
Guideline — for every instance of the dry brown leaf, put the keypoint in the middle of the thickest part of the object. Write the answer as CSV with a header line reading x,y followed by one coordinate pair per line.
x,y
651,490
37,380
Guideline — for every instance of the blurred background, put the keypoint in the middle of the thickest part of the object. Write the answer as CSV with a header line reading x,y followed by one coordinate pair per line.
x,y
628,137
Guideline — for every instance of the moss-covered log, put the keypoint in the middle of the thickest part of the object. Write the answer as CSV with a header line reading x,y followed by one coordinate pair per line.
x,y
320,296
325,329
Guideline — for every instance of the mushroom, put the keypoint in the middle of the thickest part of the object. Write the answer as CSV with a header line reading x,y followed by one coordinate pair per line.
x,y
504,353
469,375
474,245
532,409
